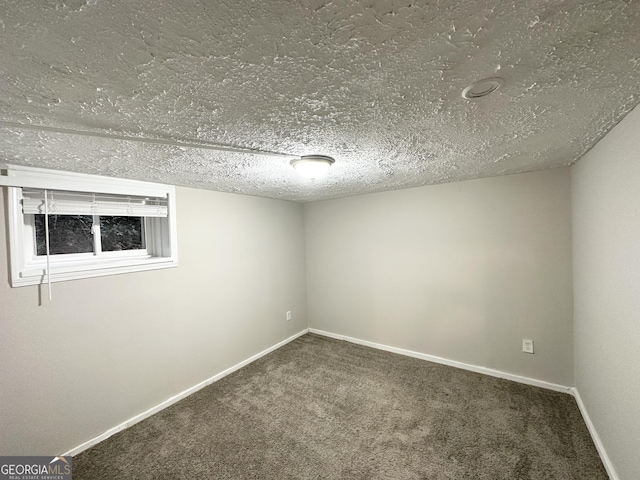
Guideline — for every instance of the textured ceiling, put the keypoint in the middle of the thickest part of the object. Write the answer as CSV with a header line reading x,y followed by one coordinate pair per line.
x,y
375,84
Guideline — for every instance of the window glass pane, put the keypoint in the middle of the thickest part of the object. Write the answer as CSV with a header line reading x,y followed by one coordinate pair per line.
x,y
67,234
121,233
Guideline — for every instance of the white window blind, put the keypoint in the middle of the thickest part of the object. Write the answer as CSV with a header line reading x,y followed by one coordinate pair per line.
x,y
61,202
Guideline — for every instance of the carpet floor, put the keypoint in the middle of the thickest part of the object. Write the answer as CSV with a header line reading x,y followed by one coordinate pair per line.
x,y
319,408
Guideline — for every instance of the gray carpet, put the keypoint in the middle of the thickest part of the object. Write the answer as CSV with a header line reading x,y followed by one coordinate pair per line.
x,y
322,408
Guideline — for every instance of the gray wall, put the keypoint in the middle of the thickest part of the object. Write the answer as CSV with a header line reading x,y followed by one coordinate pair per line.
x,y
606,257
106,349
463,271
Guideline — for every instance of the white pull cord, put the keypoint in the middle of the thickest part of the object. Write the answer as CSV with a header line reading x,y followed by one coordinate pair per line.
x,y
46,229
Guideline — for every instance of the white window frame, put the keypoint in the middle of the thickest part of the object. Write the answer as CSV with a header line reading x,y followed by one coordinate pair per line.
x,y
27,268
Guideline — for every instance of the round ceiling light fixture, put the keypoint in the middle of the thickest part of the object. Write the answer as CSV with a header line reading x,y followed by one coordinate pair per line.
x,y
312,166
482,88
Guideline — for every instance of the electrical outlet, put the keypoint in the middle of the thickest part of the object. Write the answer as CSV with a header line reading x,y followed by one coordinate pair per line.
x,y
527,345
288,315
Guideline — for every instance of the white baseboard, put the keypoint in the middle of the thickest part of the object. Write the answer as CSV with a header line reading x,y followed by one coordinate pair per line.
x,y
451,363
178,397
606,461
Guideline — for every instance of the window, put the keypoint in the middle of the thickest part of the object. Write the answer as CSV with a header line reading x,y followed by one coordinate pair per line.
x,y
88,233
77,226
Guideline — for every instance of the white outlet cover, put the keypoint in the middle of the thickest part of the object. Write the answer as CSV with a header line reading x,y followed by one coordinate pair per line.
x,y
527,345
288,315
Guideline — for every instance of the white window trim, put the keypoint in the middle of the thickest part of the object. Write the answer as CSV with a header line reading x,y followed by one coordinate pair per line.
x,y
26,269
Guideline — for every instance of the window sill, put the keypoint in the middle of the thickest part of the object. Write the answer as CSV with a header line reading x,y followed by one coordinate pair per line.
x,y
35,274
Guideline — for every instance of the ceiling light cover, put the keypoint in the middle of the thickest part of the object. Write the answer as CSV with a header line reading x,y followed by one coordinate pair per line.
x,y
312,166
482,88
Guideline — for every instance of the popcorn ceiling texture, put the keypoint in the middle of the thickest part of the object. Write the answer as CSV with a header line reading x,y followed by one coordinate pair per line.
x,y
374,84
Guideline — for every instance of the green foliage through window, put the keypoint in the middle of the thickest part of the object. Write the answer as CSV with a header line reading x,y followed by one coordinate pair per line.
x,y
72,234
121,233
67,234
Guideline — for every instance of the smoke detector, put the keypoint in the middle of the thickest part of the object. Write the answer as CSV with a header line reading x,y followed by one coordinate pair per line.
x,y
482,88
